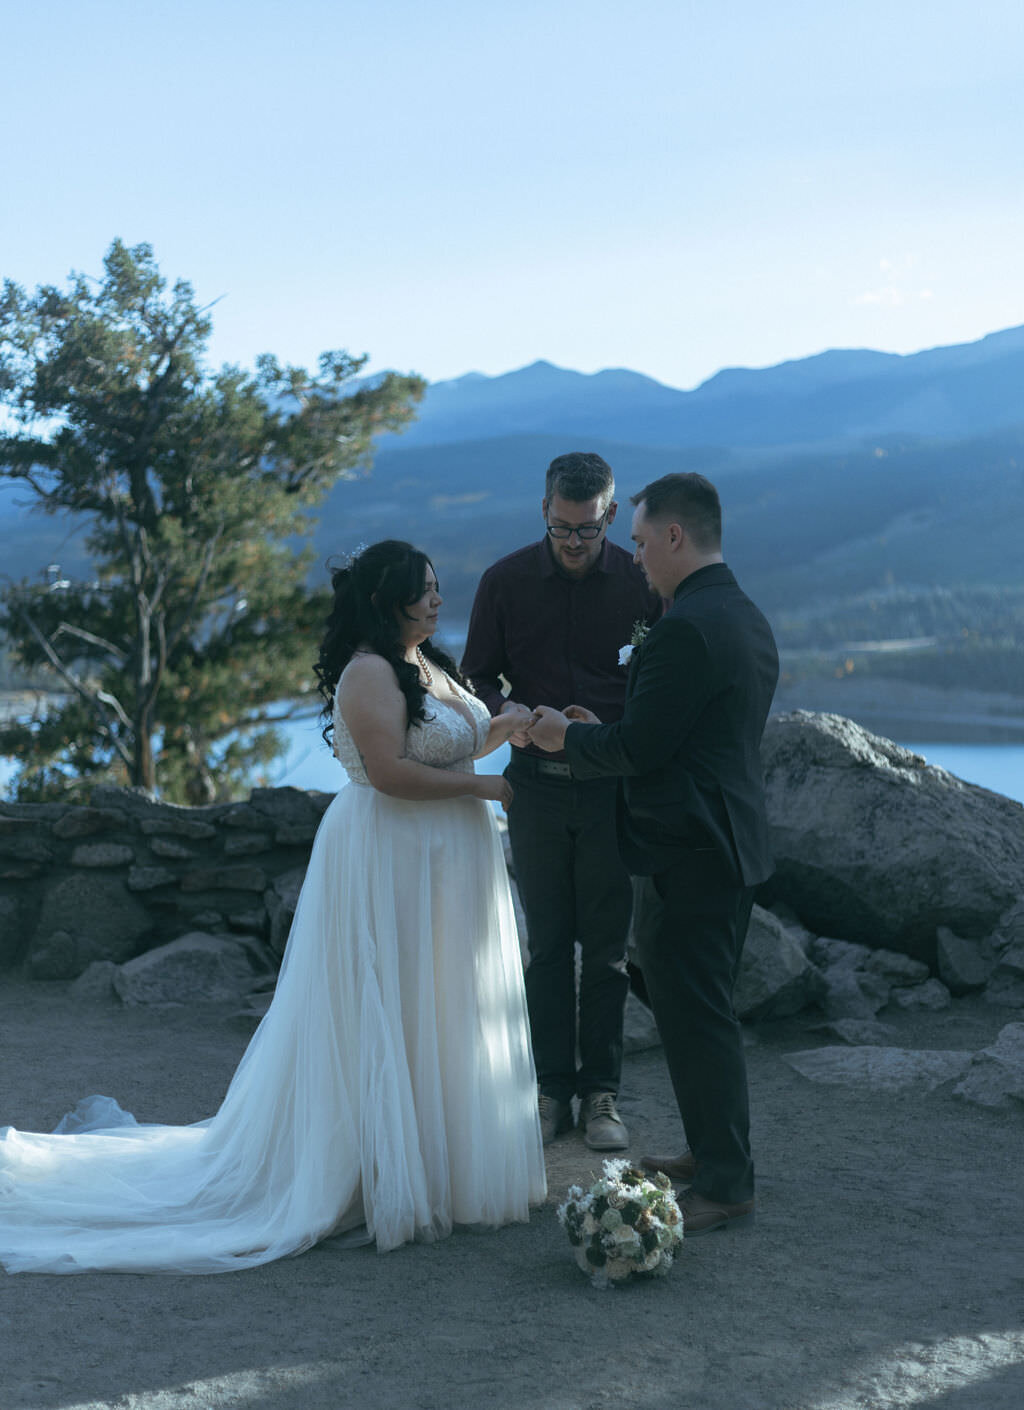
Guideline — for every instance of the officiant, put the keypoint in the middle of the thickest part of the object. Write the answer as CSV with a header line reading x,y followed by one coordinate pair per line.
x,y
551,619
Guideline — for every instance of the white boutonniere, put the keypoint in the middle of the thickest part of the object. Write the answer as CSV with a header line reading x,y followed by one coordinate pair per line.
x,y
640,630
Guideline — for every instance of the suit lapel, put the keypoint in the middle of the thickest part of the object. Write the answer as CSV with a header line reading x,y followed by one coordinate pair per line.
x,y
634,665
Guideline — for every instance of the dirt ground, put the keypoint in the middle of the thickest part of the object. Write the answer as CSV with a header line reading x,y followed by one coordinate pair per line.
x,y
886,1268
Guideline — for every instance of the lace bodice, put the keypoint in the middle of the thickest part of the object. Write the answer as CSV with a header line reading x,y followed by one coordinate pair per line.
x,y
444,740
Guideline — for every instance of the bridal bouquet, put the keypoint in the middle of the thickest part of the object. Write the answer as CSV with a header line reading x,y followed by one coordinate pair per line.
x,y
627,1223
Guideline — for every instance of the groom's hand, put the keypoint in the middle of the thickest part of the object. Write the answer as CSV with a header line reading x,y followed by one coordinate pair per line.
x,y
580,715
548,730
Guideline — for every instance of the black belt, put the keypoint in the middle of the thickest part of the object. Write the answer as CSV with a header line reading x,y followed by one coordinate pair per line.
x,y
547,768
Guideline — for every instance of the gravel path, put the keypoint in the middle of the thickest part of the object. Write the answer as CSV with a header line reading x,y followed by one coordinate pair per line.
x,y
886,1269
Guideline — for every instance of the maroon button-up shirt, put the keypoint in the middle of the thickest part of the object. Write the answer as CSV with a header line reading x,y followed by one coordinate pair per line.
x,y
556,639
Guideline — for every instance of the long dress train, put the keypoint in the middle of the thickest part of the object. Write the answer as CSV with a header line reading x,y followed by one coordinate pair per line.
x,y
389,1091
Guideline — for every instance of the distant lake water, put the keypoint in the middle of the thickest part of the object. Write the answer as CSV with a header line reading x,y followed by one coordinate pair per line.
x,y
309,764
999,767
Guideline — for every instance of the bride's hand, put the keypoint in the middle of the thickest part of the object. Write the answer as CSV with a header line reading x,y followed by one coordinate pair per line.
x,y
494,788
520,719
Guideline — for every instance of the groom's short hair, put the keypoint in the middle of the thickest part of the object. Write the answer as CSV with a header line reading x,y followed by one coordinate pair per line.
x,y
688,499
579,476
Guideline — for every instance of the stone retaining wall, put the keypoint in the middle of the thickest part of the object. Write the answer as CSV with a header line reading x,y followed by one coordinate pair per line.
x,y
895,883
124,874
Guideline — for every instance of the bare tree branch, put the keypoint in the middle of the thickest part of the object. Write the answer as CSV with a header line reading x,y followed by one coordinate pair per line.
x,y
69,630
99,701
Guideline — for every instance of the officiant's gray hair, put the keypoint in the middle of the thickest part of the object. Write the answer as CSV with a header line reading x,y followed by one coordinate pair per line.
x,y
580,475
689,499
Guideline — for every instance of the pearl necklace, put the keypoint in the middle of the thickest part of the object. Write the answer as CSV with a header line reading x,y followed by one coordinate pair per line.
x,y
428,675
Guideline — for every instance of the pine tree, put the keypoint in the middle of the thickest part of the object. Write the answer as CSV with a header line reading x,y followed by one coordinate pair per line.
x,y
196,489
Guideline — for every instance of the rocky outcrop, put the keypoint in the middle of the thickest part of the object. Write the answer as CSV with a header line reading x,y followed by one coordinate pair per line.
x,y
898,885
932,994
874,845
880,1069
1006,982
963,965
776,977
196,968
995,1076
992,1077
639,1030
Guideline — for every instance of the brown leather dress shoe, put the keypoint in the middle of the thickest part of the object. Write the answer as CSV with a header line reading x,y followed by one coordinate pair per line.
x,y
704,1216
677,1167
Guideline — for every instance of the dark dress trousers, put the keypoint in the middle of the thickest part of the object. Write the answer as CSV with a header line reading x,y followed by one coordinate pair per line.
x,y
556,640
692,823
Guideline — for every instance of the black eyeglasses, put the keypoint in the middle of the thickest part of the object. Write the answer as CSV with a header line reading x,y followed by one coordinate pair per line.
x,y
584,532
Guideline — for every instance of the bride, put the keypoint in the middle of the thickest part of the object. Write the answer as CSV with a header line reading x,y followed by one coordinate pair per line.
x,y
389,1092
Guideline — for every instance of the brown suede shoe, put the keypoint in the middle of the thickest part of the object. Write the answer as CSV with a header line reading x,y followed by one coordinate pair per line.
x,y
555,1117
703,1216
603,1127
677,1167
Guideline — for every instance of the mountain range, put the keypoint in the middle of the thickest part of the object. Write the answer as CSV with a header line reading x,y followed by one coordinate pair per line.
x,y
846,473
826,399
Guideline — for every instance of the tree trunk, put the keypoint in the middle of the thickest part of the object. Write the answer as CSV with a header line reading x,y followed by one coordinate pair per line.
x,y
144,761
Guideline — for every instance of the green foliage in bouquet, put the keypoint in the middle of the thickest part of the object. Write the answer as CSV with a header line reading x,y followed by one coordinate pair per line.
x,y
627,1224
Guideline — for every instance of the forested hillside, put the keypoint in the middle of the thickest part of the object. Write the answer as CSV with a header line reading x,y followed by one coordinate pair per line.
x,y
845,531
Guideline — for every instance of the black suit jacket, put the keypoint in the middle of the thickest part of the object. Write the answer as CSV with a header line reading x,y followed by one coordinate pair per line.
x,y
688,746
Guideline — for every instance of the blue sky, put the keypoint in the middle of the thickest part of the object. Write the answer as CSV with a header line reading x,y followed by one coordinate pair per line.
x,y
672,187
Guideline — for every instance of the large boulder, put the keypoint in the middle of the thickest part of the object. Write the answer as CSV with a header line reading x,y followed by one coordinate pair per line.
x,y
1006,986
194,969
880,1069
873,844
996,1074
963,964
639,1030
854,988
86,916
775,978
932,994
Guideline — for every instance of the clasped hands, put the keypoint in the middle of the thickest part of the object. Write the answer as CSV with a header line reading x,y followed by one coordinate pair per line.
x,y
545,726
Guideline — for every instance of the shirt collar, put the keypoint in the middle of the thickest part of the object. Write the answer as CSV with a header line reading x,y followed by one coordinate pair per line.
x,y
550,569
702,577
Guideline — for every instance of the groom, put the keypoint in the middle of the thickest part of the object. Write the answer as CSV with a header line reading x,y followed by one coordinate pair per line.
x,y
692,823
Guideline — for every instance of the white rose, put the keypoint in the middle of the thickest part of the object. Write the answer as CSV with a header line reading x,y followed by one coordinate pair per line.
x,y
627,1242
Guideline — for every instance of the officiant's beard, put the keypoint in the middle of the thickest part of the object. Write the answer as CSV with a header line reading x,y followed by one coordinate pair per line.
x,y
577,561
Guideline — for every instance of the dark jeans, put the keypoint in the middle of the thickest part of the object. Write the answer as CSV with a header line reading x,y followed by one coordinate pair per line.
x,y
691,926
574,887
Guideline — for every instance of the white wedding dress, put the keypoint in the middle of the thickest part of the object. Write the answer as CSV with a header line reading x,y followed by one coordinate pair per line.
x,y
389,1092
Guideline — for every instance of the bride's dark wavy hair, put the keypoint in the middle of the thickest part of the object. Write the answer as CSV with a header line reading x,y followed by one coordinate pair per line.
x,y
369,590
